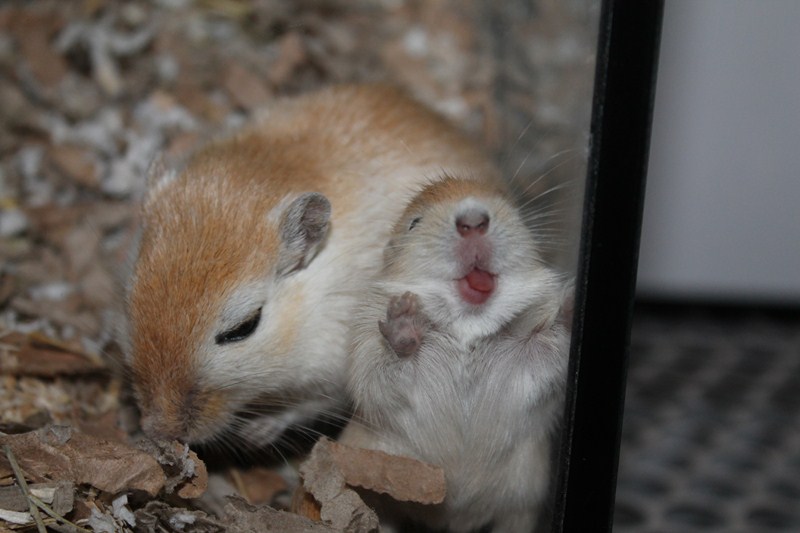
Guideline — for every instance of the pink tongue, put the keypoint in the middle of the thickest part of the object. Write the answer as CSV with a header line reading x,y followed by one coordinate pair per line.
x,y
480,281
476,287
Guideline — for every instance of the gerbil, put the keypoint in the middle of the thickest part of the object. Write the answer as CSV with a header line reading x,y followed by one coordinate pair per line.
x,y
460,355
251,254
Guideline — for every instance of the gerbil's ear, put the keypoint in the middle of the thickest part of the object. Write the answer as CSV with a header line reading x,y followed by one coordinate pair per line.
x,y
303,229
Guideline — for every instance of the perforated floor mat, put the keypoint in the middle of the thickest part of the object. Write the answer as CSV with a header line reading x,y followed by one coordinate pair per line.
x,y
711,431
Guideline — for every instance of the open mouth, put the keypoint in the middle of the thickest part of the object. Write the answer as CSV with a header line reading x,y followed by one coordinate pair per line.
x,y
477,286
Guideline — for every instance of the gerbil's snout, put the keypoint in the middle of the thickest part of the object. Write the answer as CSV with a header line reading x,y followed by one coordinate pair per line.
x,y
473,252
471,221
179,411
157,428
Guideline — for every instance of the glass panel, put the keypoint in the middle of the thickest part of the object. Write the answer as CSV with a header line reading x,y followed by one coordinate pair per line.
x,y
203,243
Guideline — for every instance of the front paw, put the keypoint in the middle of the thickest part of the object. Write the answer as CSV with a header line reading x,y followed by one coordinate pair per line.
x,y
405,324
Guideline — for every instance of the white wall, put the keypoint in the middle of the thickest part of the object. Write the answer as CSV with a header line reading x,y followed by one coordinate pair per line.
x,y
722,210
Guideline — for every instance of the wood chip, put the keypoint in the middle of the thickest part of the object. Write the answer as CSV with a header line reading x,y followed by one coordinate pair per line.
x,y
78,164
16,112
259,485
182,145
34,30
98,288
304,504
243,517
62,454
59,496
80,246
107,216
195,486
186,473
340,506
291,54
62,313
105,427
8,287
51,218
15,517
158,516
198,102
39,355
246,88
402,478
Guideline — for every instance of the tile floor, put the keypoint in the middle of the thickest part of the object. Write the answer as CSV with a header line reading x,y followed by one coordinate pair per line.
x,y
711,432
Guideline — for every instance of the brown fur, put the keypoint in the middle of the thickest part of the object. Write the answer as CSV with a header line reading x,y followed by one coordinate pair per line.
x,y
447,190
208,231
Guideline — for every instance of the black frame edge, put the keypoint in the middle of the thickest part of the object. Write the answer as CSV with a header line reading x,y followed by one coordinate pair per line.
x,y
624,89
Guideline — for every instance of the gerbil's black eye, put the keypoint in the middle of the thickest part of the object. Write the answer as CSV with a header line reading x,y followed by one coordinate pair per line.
x,y
240,332
414,222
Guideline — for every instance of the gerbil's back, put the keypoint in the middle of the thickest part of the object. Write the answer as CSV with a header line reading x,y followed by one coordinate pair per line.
x,y
357,133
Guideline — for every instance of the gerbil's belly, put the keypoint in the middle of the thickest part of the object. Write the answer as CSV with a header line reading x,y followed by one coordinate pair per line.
x,y
465,415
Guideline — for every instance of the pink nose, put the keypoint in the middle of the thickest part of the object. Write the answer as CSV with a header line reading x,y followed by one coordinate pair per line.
x,y
472,222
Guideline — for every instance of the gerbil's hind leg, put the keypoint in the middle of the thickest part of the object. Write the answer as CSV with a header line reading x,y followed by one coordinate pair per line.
x,y
405,324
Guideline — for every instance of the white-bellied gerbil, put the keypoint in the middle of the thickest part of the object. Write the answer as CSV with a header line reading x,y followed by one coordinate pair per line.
x,y
460,354
250,257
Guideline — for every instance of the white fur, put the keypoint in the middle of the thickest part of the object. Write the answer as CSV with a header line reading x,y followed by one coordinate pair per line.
x,y
482,395
484,414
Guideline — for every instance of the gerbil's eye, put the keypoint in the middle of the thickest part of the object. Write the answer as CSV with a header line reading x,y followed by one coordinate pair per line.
x,y
414,222
240,332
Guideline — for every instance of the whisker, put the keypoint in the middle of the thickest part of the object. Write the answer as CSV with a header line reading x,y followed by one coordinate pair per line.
x,y
550,171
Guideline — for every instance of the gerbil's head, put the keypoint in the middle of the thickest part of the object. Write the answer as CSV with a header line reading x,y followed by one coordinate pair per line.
x,y
463,247
211,315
